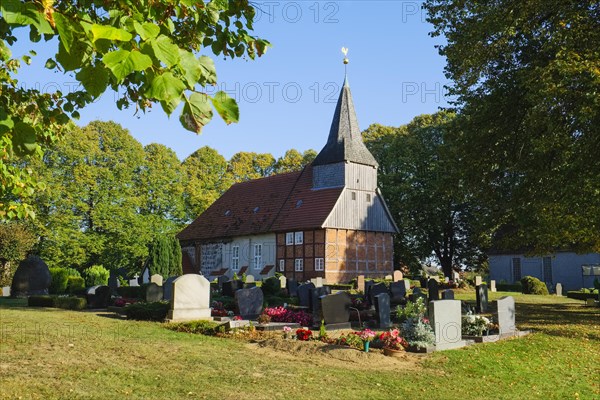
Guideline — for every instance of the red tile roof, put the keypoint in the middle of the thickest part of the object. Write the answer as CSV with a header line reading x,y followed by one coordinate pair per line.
x,y
276,203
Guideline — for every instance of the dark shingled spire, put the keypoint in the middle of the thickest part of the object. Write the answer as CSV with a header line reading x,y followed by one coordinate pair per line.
x,y
345,140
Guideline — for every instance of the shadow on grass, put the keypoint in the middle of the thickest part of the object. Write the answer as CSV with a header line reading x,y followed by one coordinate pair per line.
x,y
560,319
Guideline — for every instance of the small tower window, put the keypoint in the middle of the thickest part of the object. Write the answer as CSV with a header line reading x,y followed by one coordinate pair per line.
x,y
353,195
368,196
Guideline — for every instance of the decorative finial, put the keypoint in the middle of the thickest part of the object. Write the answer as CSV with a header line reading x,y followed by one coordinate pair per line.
x,y
345,51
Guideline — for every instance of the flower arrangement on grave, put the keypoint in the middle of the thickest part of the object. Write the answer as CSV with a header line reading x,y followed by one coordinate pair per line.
x,y
218,309
416,309
418,333
303,334
280,314
264,318
392,340
287,332
366,335
475,325
350,339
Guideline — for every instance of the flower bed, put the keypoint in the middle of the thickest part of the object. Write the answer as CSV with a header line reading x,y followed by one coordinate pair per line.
x,y
280,314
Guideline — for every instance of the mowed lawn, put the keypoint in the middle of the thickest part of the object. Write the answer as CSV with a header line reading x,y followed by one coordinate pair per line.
x,y
56,354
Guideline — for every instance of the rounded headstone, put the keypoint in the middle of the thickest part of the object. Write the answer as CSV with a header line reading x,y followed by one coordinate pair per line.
x,y
32,277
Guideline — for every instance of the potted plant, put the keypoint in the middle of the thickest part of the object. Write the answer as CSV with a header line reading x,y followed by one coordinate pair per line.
x,y
366,335
393,343
303,334
418,334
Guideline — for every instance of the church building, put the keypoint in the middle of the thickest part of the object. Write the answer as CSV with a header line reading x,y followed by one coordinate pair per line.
x,y
328,220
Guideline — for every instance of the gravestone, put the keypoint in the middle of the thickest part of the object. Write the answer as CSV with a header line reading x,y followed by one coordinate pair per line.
x,y
335,309
398,276
134,282
282,282
360,283
249,302
145,278
154,292
478,280
303,292
98,296
418,294
190,298
559,289
506,316
382,310
398,291
318,281
375,290
481,295
388,277
6,291
156,278
314,295
113,281
31,278
423,282
168,288
368,285
407,284
221,280
448,294
433,290
455,276
292,286
493,286
250,279
230,287
446,320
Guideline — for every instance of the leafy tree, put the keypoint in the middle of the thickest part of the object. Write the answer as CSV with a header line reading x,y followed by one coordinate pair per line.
x,y
161,187
292,160
245,166
16,241
165,256
91,212
422,181
207,178
525,79
144,51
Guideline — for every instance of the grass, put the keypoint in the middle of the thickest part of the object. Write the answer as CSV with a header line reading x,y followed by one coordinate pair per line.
x,y
59,354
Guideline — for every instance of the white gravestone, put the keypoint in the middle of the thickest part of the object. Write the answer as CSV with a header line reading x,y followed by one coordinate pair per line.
x,y
190,298
156,278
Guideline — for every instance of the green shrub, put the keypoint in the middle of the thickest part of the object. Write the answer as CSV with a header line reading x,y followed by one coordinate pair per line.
x,y
75,284
70,303
131,292
532,285
275,301
271,287
198,327
73,272
96,275
156,311
58,285
507,287
40,301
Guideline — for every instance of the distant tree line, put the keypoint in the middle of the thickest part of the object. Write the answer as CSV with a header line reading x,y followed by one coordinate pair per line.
x,y
110,201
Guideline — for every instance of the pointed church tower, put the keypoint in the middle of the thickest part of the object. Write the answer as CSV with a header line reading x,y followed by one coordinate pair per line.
x,y
345,160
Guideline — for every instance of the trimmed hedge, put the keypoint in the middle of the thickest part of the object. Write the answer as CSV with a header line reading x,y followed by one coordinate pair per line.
x,y
579,295
75,284
132,292
59,276
532,285
508,287
67,303
156,311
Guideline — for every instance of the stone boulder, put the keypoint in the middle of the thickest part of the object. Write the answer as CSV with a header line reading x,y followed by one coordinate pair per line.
x,y
31,278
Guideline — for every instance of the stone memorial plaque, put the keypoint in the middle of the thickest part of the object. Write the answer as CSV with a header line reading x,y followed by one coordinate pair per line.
x,y
154,292
190,298
506,316
336,308
382,309
446,321
249,302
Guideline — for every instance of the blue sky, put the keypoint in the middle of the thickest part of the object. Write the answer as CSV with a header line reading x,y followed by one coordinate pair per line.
x,y
287,97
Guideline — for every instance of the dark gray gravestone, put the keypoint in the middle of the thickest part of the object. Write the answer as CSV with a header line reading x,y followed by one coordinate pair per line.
x,y
168,288
368,285
398,290
230,287
336,308
506,316
98,296
221,280
382,308
448,294
154,293
375,290
249,302
314,295
481,295
32,277
292,287
303,292
113,281
433,290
